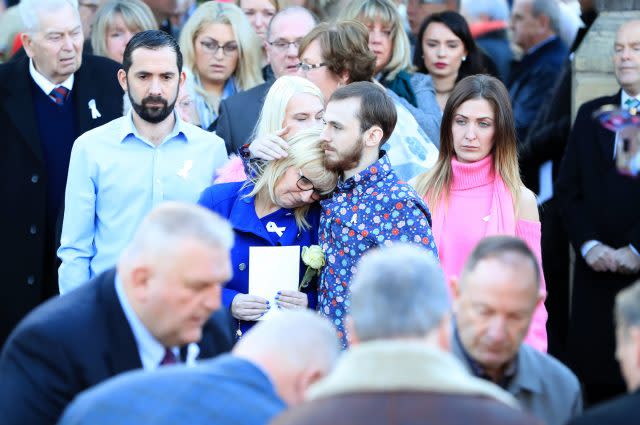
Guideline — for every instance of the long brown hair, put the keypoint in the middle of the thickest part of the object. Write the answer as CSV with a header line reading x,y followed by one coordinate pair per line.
x,y
435,183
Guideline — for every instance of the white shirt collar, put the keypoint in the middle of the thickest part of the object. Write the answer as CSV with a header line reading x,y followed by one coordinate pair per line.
x,y
44,83
626,96
151,351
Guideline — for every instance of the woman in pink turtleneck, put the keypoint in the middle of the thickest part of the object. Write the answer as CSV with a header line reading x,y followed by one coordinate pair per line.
x,y
474,189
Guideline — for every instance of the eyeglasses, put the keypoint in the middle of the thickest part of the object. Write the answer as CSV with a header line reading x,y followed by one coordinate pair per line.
x,y
212,47
306,67
305,184
283,45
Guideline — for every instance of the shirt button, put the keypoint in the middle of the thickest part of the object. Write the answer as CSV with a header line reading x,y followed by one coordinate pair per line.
x,y
35,178
33,229
242,266
31,280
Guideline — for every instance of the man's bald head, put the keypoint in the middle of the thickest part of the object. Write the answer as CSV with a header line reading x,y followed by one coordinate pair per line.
x,y
626,57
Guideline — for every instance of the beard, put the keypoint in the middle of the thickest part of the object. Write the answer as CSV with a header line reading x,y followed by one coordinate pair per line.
x,y
153,114
347,161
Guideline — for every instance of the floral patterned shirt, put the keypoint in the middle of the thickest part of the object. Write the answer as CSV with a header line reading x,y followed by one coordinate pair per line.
x,y
370,209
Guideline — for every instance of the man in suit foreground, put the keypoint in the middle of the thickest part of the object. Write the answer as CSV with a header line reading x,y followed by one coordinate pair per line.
x,y
239,113
154,309
47,99
599,207
269,369
495,298
622,410
398,368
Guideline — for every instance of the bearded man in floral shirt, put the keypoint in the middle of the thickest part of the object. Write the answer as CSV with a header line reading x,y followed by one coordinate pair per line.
x,y
371,206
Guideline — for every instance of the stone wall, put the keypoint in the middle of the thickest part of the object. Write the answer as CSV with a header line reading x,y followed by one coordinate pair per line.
x,y
592,66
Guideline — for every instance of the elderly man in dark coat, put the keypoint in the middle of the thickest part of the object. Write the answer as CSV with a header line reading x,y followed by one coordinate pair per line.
x,y
47,99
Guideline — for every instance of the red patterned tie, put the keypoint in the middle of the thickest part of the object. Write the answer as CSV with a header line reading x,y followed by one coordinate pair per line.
x,y
169,358
59,95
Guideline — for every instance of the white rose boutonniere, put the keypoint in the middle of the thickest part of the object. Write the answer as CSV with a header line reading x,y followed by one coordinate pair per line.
x,y
313,257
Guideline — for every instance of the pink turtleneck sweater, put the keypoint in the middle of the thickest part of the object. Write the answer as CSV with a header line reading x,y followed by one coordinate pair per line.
x,y
466,222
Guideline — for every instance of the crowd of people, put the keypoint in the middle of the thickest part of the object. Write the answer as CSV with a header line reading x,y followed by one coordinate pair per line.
x,y
163,159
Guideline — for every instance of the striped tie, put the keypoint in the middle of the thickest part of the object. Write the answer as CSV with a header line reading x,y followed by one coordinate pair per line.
x,y
169,358
59,95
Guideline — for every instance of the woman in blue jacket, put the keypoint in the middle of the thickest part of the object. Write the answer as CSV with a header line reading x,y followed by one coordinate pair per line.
x,y
277,207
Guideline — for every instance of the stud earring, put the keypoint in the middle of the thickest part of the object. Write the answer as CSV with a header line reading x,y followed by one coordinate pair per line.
x,y
464,58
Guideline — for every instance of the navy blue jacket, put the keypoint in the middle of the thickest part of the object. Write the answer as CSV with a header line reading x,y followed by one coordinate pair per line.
x,y
225,390
73,342
532,80
230,201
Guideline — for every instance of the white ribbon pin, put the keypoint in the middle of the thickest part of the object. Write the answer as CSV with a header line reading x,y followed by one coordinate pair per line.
x,y
94,109
184,171
273,228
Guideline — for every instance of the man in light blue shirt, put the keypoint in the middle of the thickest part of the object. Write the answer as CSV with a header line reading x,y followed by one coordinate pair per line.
x,y
118,172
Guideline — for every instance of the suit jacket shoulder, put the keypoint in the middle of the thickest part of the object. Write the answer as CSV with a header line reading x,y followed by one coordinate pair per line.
x,y
64,346
619,411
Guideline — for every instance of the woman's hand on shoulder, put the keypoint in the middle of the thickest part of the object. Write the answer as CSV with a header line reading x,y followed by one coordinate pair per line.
x,y
528,205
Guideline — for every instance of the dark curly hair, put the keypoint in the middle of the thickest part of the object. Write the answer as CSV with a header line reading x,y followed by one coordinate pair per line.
x,y
345,48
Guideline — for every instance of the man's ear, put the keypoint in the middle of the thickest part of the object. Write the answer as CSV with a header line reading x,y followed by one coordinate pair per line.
x,y
122,79
138,280
373,137
444,333
454,284
27,43
183,78
352,335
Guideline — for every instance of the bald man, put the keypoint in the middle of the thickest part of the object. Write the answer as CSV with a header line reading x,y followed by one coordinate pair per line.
x,y
599,207
269,369
495,298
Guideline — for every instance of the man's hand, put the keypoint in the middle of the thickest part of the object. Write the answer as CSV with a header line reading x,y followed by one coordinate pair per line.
x,y
248,307
272,146
628,261
293,300
601,258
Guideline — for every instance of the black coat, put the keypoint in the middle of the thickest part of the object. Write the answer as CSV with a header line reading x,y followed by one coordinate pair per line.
x,y
597,203
624,410
239,115
27,257
73,342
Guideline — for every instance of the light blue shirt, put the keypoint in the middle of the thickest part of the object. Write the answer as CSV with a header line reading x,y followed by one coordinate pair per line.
x,y
115,178
151,351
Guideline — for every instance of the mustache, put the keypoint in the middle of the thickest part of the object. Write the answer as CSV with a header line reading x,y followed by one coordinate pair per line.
x,y
154,99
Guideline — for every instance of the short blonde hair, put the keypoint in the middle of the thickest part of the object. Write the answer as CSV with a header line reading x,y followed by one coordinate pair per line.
x,y
248,73
137,16
275,103
305,150
367,11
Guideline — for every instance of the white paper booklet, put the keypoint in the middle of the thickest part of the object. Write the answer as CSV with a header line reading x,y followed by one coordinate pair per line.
x,y
273,269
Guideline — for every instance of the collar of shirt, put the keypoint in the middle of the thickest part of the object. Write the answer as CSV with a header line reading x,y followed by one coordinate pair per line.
x,y
44,83
370,175
626,96
479,371
151,351
541,44
181,130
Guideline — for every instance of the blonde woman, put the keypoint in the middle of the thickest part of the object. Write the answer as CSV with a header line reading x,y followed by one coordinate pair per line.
x,y
291,105
115,23
389,42
260,13
278,207
474,189
223,52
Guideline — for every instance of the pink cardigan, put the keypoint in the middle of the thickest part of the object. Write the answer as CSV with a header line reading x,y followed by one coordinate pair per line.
x,y
479,205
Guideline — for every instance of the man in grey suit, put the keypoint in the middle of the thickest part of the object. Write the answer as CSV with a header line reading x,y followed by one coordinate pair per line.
x,y
269,369
494,301
239,113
